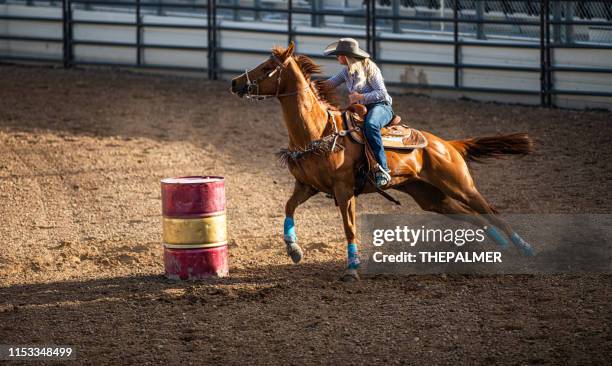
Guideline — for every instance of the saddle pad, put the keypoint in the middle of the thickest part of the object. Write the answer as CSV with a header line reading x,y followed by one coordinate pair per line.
x,y
400,137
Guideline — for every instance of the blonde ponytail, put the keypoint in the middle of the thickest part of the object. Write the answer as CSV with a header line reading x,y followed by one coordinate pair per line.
x,y
363,69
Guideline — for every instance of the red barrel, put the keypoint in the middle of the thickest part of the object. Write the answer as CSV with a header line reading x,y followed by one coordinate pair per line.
x,y
196,264
194,227
193,196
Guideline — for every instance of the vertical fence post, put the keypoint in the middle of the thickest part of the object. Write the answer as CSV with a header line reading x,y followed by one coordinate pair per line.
x,y
214,39
70,34
290,21
314,18
322,16
373,38
67,33
543,74
396,13
480,10
368,24
557,17
442,11
569,16
64,34
235,11
549,81
209,31
456,41
257,12
160,8
138,34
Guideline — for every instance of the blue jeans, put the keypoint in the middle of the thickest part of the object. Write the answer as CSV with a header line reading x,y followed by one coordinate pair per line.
x,y
379,115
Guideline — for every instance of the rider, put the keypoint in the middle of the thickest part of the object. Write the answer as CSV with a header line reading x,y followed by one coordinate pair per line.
x,y
366,86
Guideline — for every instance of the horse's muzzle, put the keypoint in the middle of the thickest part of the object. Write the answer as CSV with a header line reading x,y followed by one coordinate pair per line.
x,y
239,91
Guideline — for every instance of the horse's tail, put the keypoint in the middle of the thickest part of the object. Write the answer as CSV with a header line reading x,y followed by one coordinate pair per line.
x,y
478,148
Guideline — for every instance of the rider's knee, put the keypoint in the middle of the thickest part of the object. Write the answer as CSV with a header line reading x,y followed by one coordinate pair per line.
x,y
371,122
369,126
375,119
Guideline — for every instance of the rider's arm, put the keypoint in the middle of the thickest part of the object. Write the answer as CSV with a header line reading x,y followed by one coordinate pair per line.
x,y
379,91
337,79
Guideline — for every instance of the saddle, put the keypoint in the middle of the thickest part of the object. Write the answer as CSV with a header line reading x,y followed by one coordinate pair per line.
x,y
395,135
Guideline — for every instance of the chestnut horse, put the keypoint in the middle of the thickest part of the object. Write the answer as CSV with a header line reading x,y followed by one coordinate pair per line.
x,y
437,176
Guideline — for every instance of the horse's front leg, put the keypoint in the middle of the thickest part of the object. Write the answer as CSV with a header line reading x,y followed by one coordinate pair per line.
x,y
346,202
301,193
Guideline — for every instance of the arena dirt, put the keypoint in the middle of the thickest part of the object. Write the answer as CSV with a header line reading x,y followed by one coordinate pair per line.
x,y
81,156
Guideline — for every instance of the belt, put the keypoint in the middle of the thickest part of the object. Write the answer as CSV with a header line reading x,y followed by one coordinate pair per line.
x,y
376,103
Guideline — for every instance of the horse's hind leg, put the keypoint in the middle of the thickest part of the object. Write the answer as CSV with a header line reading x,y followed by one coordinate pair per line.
x,y
301,193
432,199
455,181
481,205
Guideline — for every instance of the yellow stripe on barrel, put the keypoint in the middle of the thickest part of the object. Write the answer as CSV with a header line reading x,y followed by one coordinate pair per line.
x,y
195,246
204,230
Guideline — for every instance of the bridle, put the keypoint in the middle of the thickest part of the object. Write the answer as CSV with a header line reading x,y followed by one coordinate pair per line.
x,y
252,90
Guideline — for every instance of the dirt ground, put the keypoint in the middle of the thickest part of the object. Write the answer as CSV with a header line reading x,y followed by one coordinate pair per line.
x,y
81,156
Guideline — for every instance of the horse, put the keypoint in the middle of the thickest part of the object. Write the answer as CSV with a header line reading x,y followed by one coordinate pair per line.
x,y
436,176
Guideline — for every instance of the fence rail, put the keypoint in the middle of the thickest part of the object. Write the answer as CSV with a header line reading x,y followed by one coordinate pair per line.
x,y
555,21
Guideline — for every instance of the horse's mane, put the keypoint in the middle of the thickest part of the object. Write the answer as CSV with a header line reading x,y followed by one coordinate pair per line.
x,y
325,95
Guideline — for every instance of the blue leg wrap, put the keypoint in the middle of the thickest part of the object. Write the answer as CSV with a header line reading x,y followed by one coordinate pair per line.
x,y
497,236
522,245
353,256
289,230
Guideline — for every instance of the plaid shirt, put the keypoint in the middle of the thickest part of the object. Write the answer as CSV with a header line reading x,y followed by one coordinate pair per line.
x,y
373,91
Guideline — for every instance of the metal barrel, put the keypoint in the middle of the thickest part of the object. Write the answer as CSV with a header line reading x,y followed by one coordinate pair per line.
x,y
196,264
193,196
194,227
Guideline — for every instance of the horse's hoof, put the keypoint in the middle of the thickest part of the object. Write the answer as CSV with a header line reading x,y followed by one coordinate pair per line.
x,y
350,276
527,250
295,252
522,245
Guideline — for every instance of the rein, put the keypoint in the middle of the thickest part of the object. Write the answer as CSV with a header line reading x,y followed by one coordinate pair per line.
x,y
253,85
325,145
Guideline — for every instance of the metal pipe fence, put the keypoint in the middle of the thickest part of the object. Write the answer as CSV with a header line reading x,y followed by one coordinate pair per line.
x,y
544,25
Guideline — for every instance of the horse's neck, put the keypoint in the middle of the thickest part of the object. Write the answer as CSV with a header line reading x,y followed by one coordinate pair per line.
x,y
305,118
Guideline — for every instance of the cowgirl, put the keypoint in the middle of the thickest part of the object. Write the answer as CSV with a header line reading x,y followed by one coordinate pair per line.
x,y
366,86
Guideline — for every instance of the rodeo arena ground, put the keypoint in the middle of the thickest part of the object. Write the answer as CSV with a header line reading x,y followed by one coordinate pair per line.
x,y
153,156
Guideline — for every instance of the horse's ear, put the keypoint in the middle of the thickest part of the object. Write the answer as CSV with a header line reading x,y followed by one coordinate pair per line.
x,y
289,50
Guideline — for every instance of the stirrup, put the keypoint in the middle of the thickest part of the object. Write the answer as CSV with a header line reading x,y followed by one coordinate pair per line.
x,y
382,177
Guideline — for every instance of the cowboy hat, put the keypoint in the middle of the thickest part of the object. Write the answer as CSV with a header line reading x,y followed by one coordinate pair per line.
x,y
346,47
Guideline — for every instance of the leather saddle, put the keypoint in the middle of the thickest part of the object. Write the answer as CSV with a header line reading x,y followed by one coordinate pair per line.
x,y
395,135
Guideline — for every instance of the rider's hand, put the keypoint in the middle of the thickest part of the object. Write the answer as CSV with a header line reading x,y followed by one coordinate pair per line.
x,y
355,98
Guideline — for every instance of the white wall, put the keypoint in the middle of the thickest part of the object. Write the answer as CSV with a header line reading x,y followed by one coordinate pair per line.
x,y
175,37
46,50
